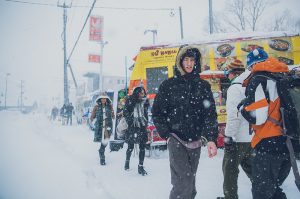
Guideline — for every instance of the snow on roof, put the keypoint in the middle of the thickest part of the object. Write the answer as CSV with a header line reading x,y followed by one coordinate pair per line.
x,y
223,37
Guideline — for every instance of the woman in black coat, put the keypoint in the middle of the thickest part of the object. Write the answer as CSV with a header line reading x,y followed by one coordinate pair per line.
x,y
136,115
104,113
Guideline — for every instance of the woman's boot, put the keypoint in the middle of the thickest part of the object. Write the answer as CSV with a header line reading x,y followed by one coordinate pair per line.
x,y
141,170
128,155
101,155
126,167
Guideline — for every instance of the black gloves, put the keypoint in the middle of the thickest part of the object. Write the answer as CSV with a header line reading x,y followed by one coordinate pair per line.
x,y
241,104
229,144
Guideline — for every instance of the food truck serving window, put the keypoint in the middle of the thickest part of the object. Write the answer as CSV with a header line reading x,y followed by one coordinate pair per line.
x,y
155,76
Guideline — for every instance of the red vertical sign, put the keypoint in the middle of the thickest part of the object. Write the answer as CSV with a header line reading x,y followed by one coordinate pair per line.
x,y
96,28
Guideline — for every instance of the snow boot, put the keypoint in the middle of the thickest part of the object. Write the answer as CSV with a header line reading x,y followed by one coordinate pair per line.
x,y
102,158
141,170
126,167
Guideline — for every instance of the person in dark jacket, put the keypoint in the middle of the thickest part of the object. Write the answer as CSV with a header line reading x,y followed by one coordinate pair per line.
x,y
261,107
136,115
103,112
54,113
69,113
63,114
183,111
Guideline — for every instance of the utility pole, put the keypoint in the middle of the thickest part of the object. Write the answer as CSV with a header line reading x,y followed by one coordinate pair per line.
x,y
181,24
102,44
66,91
211,30
7,74
126,75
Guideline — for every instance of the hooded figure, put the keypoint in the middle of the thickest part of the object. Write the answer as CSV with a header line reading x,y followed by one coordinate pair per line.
x,y
136,115
103,112
183,111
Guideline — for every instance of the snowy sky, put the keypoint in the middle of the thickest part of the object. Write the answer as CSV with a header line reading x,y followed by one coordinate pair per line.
x,y
31,44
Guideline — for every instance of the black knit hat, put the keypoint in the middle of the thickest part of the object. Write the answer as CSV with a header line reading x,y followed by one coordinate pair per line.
x,y
192,52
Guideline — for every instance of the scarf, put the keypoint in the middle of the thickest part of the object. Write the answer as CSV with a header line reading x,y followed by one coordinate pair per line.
x,y
139,118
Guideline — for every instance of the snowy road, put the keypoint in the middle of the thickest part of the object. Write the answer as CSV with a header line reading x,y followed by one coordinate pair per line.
x,y
44,160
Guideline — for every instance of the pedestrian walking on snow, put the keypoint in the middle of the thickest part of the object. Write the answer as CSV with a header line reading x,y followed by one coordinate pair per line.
x,y
261,107
237,133
136,115
103,112
183,111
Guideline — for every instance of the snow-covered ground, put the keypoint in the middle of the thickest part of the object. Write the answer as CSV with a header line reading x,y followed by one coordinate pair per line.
x,y
40,159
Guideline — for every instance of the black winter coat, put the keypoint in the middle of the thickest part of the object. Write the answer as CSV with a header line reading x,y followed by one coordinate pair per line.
x,y
135,134
184,105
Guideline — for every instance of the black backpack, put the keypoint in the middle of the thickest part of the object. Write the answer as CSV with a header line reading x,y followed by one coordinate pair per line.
x,y
288,88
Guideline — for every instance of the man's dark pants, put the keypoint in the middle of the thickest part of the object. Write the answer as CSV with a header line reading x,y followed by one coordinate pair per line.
x,y
269,172
183,165
236,154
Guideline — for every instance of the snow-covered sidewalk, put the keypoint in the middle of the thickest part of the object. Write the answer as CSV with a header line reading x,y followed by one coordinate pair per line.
x,y
40,159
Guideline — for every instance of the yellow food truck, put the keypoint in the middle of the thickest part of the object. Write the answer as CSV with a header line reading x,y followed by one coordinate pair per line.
x,y
154,64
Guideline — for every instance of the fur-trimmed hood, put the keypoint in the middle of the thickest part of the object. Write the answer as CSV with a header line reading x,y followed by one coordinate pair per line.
x,y
183,52
103,96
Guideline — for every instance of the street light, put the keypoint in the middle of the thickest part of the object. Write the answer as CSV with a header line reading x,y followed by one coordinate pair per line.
x,y
7,74
102,44
154,32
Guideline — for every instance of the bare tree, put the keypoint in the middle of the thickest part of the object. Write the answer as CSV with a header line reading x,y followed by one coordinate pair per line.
x,y
286,22
255,9
280,23
237,8
245,15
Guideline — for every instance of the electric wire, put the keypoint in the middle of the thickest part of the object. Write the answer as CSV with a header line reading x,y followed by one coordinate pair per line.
x,y
96,7
81,31
32,3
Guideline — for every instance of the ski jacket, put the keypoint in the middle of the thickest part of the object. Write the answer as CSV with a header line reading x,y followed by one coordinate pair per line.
x,y
236,125
184,105
262,105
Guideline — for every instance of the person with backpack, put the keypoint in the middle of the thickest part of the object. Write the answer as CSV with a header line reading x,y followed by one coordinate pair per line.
x,y
237,135
136,115
104,113
261,107
183,111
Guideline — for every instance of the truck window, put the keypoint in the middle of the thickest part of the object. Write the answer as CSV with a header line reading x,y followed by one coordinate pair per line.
x,y
155,76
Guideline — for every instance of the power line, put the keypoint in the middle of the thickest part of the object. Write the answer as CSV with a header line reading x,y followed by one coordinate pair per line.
x,y
31,3
81,30
124,8
98,7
